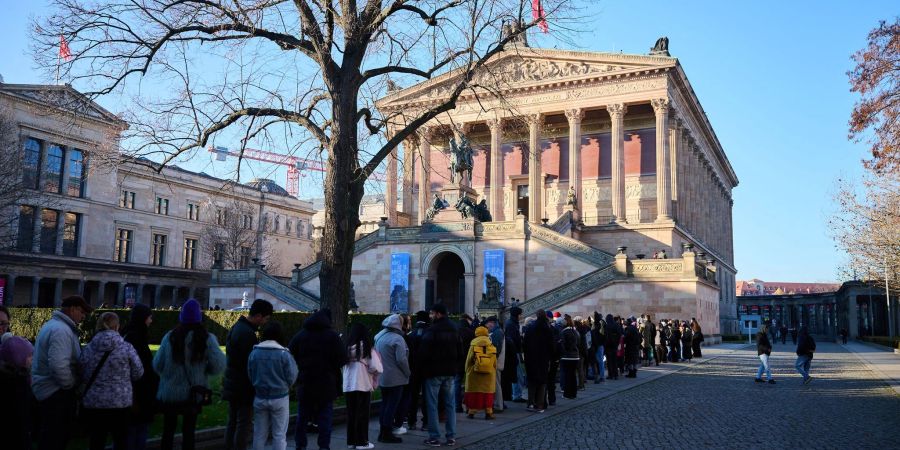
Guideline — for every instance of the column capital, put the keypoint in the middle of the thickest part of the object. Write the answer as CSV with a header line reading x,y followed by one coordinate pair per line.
x,y
425,133
494,124
616,110
660,105
574,115
535,119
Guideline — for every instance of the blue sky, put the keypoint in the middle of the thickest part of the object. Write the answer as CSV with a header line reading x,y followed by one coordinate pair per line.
x,y
772,79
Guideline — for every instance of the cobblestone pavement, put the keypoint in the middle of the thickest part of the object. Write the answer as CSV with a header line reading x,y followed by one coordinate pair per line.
x,y
717,404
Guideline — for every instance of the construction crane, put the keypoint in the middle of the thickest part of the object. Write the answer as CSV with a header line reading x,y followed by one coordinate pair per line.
x,y
295,166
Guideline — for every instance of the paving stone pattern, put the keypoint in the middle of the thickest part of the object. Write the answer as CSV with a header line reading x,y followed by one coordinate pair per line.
x,y
716,404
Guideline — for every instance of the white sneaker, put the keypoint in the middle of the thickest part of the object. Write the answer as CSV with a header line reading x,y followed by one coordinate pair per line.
x,y
365,447
399,431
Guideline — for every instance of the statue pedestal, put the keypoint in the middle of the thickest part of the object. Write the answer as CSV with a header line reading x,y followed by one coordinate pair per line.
x,y
451,193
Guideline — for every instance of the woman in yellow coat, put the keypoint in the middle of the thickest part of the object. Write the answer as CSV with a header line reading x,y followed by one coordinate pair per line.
x,y
481,372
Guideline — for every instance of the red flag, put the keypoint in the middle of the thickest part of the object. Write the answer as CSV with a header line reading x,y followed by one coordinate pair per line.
x,y
537,13
64,52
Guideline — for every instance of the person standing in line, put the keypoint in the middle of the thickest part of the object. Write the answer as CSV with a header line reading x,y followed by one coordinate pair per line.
x,y
632,349
805,349
416,380
675,342
481,374
686,341
584,336
466,335
109,365
391,346
648,339
17,413
662,353
509,381
598,337
764,351
143,410
613,333
360,375
272,371
568,360
697,339
236,387
539,346
54,373
187,356
439,355
499,340
320,355
556,326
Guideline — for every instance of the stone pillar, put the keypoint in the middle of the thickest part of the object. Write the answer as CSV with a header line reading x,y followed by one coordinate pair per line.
x,y
535,180
81,287
617,116
9,290
101,293
575,116
35,291
495,203
120,294
409,164
663,177
390,191
424,171
191,292
674,154
157,296
57,293
174,296
139,294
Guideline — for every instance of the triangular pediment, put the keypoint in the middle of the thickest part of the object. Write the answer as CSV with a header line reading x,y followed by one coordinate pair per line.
x,y
63,97
527,68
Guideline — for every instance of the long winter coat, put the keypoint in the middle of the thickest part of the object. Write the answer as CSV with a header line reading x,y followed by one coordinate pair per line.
x,y
441,350
18,408
570,350
319,353
176,378
391,346
481,382
55,361
632,345
539,348
112,387
145,388
236,385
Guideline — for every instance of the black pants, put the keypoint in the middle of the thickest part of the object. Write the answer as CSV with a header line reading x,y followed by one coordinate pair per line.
x,y
569,368
536,393
550,387
188,415
402,408
416,402
358,417
240,419
57,415
696,349
612,363
104,422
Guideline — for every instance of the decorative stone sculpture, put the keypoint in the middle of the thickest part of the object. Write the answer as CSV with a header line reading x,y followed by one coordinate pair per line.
x,y
437,204
482,213
353,305
492,296
661,48
461,161
571,198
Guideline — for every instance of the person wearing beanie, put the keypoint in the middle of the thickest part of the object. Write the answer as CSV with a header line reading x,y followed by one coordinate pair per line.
x,y
188,355
390,344
481,372
54,380
416,380
143,410
17,412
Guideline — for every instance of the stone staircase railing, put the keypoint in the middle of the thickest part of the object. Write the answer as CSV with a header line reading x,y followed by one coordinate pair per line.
x,y
283,291
564,224
570,291
362,244
572,247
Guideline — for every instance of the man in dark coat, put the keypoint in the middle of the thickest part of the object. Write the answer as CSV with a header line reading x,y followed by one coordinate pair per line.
x,y
509,377
674,343
416,399
648,336
136,333
632,349
611,345
236,387
466,335
439,355
539,348
320,354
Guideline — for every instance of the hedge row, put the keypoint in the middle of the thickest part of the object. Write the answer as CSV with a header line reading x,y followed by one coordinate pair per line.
x,y
27,322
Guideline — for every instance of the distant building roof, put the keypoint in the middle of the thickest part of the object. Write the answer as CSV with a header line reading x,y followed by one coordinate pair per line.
x,y
759,287
268,186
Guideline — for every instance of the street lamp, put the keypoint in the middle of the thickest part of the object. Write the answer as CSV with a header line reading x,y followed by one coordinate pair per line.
x,y
887,297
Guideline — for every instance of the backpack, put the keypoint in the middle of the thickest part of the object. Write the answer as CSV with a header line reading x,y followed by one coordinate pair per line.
x,y
484,363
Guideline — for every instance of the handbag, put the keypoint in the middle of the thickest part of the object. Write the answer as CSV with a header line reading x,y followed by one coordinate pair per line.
x,y
79,413
198,395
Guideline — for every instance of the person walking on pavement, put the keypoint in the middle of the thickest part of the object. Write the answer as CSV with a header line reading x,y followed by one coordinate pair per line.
x,y
361,374
439,355
391,346
54,373
272,371
481,374
319,354
696,339
805,349
236,387
764,351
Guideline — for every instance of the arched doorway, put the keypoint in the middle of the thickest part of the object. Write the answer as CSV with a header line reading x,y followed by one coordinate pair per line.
x,y
447,282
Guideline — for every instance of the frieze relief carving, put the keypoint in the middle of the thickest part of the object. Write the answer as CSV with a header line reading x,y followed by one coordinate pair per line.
x,y
402,233
657,267
553,196
498,227
642,190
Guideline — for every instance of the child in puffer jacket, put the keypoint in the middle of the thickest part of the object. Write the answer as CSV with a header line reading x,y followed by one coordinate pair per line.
x,y
272,372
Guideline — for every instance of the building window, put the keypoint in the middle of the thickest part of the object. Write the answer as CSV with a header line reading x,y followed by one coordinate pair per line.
x,y
299,228
26,228
127,199
245,257
190,253
53,174
162,206
32,163
71,230
221,216
193,211
277,224
123,245
49,220
219,252
158,258
247,222
75,186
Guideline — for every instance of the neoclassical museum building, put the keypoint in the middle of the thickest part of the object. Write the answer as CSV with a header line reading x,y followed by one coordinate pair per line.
x,y
606,185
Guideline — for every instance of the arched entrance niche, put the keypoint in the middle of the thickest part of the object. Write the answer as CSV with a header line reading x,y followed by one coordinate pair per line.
x,y
449,279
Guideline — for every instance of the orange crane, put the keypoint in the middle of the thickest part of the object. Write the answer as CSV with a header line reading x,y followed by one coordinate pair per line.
x,y
294,164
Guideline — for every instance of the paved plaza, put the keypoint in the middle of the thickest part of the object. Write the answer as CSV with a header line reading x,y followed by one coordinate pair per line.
x,y
713,403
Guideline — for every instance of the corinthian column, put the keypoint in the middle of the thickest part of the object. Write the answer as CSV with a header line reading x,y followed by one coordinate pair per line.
x,y
575,116
409,157
617,116
390,192
495,203
674,154
424,171
535,183
663,177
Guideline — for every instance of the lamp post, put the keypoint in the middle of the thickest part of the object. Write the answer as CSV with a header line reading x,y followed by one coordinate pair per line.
x,y
887,297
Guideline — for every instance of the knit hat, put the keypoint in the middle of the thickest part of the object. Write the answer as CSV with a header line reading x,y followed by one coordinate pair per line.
x,y
140,312
15,351
422,316
557,315
190,313
481,331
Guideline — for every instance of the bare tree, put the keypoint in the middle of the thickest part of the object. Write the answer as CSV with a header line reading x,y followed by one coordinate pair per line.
x,y
301,74
231,238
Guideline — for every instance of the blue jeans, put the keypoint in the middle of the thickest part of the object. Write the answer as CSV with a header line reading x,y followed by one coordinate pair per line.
x,y
802,365
321,411
443,386
601,360
390,399
764,367
518,388
271,415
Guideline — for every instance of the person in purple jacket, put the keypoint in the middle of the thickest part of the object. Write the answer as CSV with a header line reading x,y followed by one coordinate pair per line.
x,y
108,366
